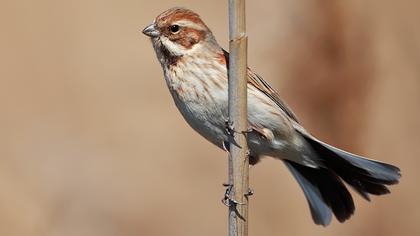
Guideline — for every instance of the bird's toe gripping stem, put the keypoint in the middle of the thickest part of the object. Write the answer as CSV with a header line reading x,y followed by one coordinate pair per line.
x,y
229,201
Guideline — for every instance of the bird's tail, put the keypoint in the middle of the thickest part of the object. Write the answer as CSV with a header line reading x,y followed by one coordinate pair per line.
x,y
324,189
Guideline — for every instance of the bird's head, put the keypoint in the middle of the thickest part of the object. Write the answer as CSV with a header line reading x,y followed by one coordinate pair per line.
x,y
178,32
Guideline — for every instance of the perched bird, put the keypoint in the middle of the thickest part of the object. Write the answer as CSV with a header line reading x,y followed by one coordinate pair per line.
x,y
195,70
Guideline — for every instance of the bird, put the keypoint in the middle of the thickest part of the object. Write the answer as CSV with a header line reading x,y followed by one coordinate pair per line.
x,y
195,68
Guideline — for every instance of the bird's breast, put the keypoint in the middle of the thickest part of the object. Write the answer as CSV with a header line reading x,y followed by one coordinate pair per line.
x,y
201,101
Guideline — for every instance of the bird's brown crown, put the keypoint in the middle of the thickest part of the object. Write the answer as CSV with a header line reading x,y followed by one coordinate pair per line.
x,y
182,26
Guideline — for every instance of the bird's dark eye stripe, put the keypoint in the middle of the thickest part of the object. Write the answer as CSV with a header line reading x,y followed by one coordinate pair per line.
x,y
174,28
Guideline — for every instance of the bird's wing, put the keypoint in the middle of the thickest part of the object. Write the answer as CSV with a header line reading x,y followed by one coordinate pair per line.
x,y
260,84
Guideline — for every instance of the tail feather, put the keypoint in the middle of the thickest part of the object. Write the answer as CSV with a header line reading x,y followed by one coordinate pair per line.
x,y
371,169
364,175
324,189
320,211
325,193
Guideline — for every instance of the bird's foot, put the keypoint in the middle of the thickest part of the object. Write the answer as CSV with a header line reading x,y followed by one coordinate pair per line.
x,y
227,199
230,132
229,129
249,193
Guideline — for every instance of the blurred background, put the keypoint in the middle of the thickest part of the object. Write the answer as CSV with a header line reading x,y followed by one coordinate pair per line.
x,y
92,144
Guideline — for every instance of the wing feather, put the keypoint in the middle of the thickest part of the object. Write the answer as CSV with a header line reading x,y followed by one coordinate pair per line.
x,y
259,83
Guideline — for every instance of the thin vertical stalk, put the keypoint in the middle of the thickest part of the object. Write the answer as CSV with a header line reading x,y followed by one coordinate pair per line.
x,y
238,159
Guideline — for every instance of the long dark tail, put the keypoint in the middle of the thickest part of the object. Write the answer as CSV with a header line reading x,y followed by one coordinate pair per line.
x,y
324,188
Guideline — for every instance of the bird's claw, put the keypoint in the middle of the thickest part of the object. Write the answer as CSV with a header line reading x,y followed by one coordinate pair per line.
x,y
228,201
230,132
229,128
249,193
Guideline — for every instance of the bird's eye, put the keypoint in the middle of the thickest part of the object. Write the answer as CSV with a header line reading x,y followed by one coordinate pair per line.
x,y
174,28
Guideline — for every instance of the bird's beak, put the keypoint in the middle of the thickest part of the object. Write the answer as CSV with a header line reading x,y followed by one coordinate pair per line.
x,y
151,31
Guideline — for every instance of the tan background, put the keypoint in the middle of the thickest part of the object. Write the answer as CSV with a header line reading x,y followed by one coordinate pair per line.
x,y
91,143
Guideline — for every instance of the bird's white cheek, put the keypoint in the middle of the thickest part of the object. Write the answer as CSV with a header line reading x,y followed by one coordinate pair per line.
x,y
175,48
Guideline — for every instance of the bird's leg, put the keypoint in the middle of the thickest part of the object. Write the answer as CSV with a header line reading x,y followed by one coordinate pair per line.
x,y
227,199
230,132
229,128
